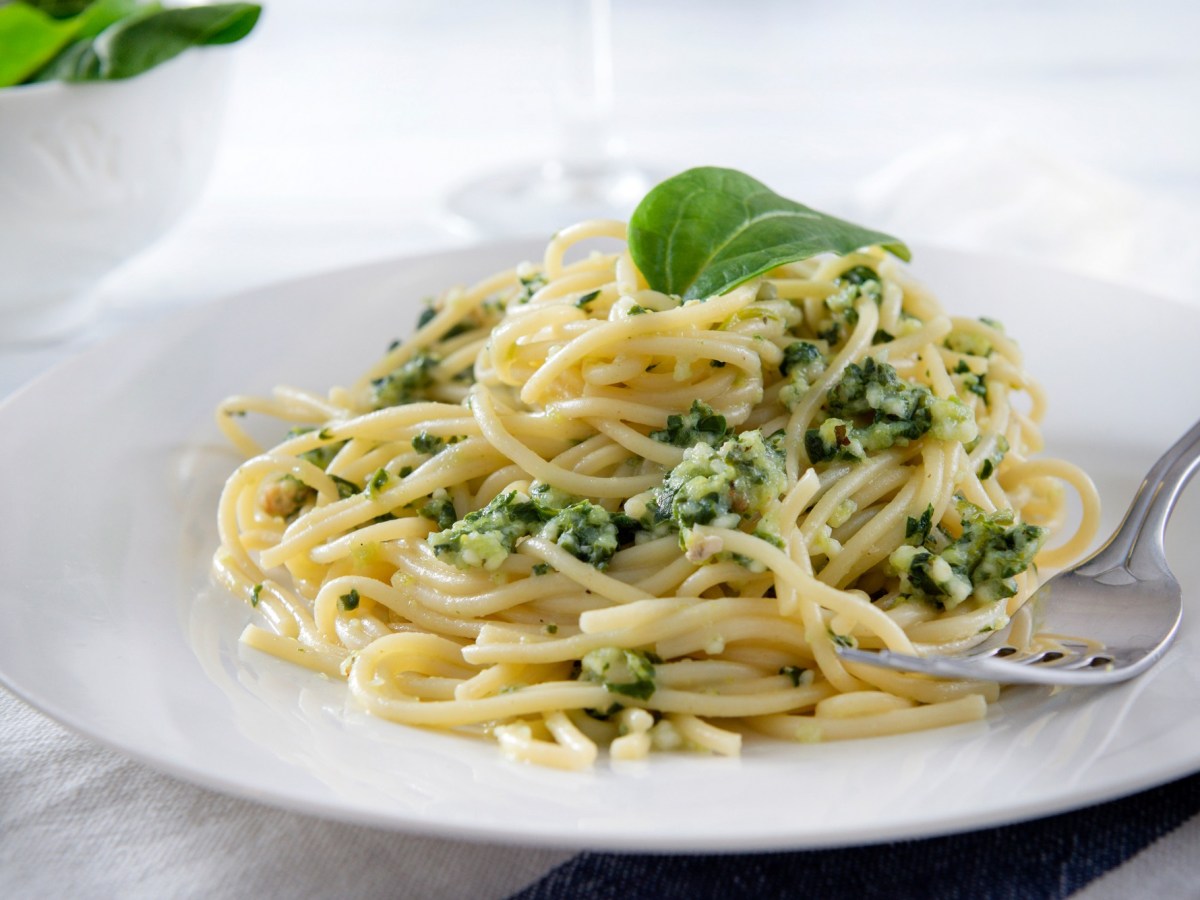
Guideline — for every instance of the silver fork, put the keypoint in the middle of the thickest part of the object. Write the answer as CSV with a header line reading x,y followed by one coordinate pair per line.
x,y
1110,618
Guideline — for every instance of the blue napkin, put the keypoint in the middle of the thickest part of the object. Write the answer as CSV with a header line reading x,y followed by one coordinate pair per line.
x,y
1045,858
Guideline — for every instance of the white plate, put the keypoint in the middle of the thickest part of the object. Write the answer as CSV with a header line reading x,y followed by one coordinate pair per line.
x,y
112,466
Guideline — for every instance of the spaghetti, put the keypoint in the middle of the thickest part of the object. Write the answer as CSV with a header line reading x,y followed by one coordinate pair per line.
x,y
572,512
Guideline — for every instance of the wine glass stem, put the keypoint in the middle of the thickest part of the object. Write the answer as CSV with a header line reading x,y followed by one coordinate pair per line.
x,y
586,103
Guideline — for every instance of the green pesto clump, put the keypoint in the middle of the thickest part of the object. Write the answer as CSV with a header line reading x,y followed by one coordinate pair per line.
x,y
551,498
287,495
971,343
841,315
803,363
320,456
871,408
976,384
430,444
875,388
738,482
480,319
700,425
859,275
952,420
530,285
723,486
992,461
981,563
345,488
486,536
409,383
627,672
440,509
584,530
806,357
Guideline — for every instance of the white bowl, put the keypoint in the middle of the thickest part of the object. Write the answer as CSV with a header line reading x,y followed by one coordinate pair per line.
x,y
90,174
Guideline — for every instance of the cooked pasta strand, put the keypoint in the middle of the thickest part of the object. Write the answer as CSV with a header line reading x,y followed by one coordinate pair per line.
x,y
573,511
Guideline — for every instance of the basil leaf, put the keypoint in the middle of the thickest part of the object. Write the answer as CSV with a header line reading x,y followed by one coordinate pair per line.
x,y
135,45
707,230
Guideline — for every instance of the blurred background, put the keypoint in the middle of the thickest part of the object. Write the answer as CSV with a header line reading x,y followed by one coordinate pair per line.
x,y
1001,126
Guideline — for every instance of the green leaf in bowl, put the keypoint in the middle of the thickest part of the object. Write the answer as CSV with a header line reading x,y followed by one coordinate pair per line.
x,y
60,9
29,39
707,230
33,34
135,45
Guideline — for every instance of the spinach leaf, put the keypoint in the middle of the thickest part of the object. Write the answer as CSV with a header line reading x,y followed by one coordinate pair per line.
x,y
30,39
60,9
95,16
35,33
139,43
707,230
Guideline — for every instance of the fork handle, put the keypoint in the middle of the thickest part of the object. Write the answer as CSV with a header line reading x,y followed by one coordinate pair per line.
x,y
1138,543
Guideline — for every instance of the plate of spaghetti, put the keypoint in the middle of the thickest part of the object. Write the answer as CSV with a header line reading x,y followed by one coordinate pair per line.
x,y
570,560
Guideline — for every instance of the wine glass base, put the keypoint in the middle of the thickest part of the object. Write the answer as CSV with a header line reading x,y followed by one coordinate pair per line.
x,y
544,198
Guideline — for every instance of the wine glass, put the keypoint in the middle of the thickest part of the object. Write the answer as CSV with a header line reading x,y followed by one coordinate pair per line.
x,y
589,176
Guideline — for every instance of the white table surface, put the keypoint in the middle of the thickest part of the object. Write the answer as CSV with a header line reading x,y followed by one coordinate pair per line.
x,y
1075,123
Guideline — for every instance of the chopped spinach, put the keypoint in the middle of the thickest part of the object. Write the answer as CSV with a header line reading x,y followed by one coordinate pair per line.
x,y
406,384
723,486
530,285
627,672
699,425
377,481
859,275
430,444
992,461
871,408
486,536
428,314
916,531
805,356
584,530
795,673
980,563
441,511
345,488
